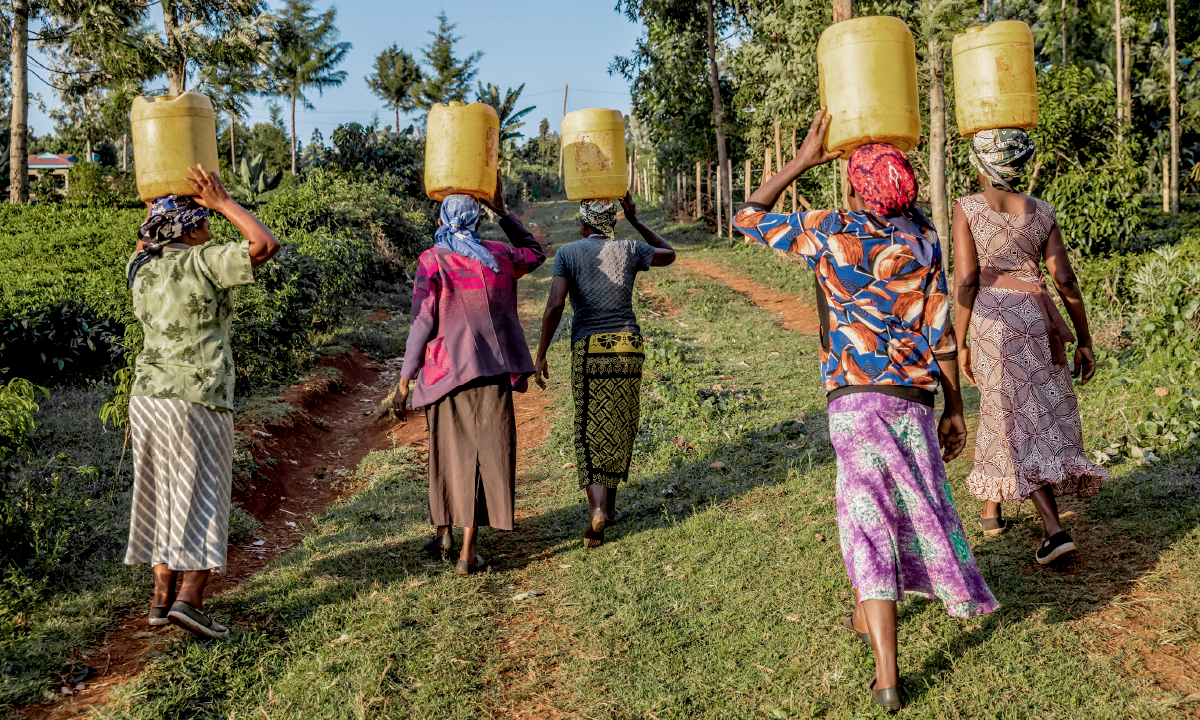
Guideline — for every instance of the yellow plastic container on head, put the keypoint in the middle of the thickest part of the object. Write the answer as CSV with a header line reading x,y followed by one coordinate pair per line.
x,y
995,82
594,154
171,133
462,145
867,76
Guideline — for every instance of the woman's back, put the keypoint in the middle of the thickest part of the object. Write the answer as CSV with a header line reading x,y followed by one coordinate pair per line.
x,y
1012,243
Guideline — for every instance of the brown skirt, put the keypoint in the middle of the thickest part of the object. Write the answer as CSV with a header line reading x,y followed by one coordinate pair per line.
x,y
473,455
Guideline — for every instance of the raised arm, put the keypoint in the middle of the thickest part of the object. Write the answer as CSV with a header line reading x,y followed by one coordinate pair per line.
x,y
550,320
1058,264
211,194
664,254
812,153
528,254
966,286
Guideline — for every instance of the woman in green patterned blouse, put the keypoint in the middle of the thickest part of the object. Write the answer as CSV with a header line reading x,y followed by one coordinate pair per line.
x,y
181,407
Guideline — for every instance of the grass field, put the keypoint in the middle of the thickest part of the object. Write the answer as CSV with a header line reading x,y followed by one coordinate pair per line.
x,y
719,593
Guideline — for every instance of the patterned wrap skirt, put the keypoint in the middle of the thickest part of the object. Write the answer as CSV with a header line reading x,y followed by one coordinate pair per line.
x,y
182,481
1030,435
606,377
900,531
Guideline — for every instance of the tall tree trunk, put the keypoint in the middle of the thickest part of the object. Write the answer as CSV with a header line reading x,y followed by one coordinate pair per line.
x,y
937,137
1062,34
843,10
1119,71
293,133
124,151
718,106
18,160
175,73
1171,57
397,119
1127,79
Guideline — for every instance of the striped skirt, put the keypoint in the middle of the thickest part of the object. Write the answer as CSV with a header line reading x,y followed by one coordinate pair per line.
x,y
182,480
606,380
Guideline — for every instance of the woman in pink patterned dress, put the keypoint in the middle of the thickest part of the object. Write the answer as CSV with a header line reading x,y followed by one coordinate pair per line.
x,y
1030,441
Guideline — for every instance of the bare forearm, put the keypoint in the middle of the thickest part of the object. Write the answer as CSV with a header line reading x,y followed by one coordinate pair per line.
x,y
950,387
769,192
1072,297
550,321
649,235
263,244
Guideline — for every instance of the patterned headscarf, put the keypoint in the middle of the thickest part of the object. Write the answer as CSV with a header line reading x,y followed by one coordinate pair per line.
x,y
884,179
459,215
1000,154
600,214
171,218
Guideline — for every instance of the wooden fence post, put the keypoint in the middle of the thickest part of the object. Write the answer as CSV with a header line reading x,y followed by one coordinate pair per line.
x,y
748,171
720,186
696,213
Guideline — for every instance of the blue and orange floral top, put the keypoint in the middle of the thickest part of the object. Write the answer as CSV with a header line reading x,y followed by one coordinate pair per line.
x,y
885,308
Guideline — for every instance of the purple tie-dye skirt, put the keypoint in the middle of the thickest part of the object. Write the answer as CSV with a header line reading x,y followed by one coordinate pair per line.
x,y
899,528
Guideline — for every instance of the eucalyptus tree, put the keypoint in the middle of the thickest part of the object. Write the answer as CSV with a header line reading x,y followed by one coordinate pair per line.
x,y
446,76
306,57
707,21
395,79
510,117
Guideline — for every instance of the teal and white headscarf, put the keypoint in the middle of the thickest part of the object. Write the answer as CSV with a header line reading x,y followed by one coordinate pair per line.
x,y
1000,154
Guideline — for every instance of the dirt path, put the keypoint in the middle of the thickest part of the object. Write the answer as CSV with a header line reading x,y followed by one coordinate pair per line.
x,y
793,313
330,429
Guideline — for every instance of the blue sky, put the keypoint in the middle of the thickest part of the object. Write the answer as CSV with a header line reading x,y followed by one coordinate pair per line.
x,y
541,43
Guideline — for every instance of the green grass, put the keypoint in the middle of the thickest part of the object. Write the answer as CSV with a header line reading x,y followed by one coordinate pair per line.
x,y
717,595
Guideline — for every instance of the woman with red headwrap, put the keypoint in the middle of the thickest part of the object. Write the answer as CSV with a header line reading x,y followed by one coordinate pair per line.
x,y
886,345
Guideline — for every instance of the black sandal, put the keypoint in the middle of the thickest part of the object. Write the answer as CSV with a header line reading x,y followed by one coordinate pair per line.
x,y
848,623
887,698
466,568
996,526
440,543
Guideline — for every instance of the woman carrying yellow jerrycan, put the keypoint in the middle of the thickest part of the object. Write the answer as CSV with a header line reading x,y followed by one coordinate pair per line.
x,y
598,273
1030,439
181,409
886,344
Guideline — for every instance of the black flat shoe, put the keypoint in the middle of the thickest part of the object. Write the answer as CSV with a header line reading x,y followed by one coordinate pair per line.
x,y
848,623
887,698
158,616
1054,547
996,526
466,568
440,544
194,620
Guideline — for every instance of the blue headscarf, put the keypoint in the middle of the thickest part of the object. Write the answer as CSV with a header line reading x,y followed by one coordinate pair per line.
x,y
457,233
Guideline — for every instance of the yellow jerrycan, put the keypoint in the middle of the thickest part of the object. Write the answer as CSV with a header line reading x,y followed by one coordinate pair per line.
x,y
995,83
462,145
867,76
594,154
171,133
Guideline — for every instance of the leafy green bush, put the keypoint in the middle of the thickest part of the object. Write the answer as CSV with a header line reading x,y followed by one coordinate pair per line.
x,y
17,407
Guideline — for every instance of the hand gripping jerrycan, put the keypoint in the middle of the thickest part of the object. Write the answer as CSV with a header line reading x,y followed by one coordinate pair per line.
x,y
462,145
171,133
995,82
867,75
594,154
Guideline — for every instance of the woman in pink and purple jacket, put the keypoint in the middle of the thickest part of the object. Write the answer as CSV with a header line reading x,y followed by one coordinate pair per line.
x,y
467,354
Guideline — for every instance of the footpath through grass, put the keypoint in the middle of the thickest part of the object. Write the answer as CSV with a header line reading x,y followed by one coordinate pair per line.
x,y
719,592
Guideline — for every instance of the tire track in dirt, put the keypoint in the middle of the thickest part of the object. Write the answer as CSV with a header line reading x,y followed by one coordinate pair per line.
x,y
330,430
794,313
